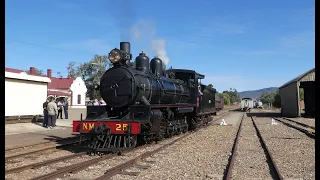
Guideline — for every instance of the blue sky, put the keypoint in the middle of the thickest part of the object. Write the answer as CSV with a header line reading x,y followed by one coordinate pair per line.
x,y
246,44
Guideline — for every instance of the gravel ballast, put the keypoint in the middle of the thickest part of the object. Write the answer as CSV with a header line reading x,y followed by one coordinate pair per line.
x,y
98,169
250,160
307,121
293,151
204,155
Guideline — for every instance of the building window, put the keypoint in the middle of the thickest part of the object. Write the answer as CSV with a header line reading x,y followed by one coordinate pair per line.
x,y
79,99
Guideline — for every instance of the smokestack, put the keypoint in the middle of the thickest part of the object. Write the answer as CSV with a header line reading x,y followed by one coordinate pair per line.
x,y
32,71
125,46
49,73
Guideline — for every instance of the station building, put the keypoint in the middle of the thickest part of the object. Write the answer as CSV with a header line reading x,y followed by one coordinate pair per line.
x,y
290,96
24,93
32,90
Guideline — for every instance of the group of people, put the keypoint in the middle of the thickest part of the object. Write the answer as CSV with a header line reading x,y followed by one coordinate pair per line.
x,y
96,102
52,110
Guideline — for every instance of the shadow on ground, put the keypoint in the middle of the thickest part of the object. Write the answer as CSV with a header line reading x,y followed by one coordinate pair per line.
x,y
235,110
69,144
264,114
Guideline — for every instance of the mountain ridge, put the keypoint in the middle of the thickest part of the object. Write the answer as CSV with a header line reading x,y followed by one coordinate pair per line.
x,y
257,93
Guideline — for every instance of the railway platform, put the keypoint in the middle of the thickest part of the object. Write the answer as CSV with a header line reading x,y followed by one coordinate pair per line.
x,y
23,134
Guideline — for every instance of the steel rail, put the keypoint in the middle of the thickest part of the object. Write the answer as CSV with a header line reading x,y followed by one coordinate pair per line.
x,y
301,124
272,163
74,168
306,132
119,168
43,163
80,166
228,172
38,150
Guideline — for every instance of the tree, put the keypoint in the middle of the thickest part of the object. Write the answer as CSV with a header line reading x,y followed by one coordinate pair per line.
x,y
90,72
233,95
37,72
73,71
267,98
277,100
226,100
210,85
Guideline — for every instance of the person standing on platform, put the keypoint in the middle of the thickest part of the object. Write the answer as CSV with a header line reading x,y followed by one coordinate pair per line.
x,y
45,114
65,108
52,113
60,106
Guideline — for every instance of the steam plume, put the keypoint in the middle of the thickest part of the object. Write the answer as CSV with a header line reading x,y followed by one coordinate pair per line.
x,y
159,48
124,16
142,33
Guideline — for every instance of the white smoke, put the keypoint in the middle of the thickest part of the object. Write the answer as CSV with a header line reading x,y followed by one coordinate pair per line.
x,y
159,48
143,34
143,30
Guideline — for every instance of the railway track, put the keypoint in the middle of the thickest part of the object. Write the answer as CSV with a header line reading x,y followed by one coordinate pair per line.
x,y
304,128
310,132
301,124
74,168
10,157
271,160
43,163
58,141
273,169
122,167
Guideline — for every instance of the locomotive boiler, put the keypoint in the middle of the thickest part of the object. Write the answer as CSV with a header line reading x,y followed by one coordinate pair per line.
x,y
144,103
121,86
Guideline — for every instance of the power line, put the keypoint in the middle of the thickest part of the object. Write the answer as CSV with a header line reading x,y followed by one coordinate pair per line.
x,y
49,47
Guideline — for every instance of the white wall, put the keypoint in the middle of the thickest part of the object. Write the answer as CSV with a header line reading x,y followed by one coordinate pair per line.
x,y
78,87
24,97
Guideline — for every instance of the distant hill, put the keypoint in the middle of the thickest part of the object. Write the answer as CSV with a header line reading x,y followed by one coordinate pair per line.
x,y
257,93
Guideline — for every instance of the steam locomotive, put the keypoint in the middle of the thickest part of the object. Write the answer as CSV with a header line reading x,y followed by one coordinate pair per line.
x,y
145,103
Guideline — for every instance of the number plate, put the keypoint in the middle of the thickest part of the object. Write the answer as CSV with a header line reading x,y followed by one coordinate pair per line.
x,y
116,127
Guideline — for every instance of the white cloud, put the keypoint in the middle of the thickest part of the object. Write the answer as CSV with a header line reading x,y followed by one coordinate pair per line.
x,y
256,53
242,83
221,26
204,33
298,40
144,32
93,46
143,29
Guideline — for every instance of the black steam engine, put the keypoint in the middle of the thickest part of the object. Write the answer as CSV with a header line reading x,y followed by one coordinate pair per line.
x,y
144,103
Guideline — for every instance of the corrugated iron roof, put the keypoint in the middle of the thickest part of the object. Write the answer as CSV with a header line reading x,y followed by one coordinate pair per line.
x,y
58,93
60,83
297,78
56,83
13,70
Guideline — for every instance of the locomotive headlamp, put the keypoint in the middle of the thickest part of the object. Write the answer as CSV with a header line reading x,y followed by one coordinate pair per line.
x,y
114,55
